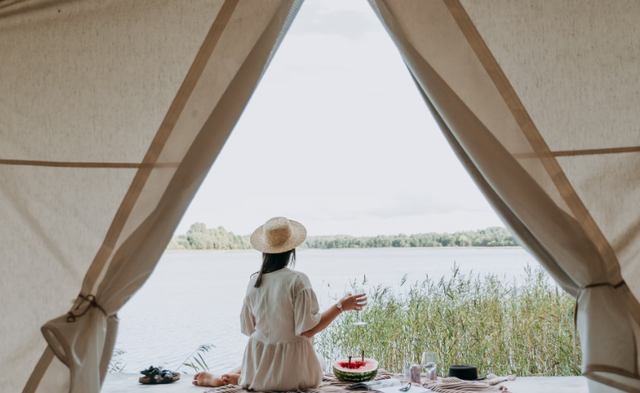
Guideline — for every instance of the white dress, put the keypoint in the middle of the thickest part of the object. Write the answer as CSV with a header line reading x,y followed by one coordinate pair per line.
x,y
274,316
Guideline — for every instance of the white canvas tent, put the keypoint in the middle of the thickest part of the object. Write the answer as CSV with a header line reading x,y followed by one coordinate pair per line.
x,y
111,113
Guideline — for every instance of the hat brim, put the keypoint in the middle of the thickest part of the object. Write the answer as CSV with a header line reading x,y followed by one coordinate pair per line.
x,y
298,234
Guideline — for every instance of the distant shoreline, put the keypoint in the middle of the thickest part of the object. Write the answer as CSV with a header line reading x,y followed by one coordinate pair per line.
x,y
199,237
348,248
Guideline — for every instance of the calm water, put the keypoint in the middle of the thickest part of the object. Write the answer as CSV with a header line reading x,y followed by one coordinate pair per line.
x,y
195,298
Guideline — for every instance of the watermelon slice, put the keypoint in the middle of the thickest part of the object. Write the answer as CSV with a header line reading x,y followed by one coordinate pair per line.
x,y
358,371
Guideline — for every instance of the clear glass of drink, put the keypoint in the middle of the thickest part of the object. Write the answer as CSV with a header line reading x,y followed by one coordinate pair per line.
x,y
430,365
360,322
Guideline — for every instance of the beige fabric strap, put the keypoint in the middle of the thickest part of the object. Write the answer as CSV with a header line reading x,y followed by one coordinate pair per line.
x,y
14,7
107,165
135,165
38,372
151,157
584,152
72,316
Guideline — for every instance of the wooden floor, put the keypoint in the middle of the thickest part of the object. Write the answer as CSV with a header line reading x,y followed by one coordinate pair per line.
x,y
126,383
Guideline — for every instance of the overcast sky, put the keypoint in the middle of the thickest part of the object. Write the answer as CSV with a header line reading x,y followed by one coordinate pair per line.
x,y
337,137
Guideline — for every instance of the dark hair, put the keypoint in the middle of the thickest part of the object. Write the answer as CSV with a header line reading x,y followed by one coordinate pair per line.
x,y
273,262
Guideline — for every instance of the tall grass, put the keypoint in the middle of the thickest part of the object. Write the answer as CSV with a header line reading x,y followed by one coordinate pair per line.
x,y
499,326
197,361
115,364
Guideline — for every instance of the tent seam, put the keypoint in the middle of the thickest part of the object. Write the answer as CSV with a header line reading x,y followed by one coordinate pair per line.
x,y
582,152
99,165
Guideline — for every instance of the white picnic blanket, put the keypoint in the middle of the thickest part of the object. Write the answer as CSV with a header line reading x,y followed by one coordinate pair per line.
x,y
331,384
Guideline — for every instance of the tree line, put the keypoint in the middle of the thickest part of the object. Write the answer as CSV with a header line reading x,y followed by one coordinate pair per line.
x,y
199,237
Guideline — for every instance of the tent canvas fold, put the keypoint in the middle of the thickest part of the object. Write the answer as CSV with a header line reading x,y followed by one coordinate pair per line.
x,y
197,61
491,130
112,112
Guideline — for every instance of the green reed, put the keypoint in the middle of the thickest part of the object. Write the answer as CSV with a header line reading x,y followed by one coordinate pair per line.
x,y
499,326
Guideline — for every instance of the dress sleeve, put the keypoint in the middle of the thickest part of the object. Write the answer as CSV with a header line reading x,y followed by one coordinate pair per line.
x,y
306,309
247,320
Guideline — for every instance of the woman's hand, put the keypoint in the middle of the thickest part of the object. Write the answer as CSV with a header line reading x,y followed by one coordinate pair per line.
x,y
353,302
349,303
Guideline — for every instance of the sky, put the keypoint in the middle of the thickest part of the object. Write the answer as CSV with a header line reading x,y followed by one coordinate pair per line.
x,y
337,137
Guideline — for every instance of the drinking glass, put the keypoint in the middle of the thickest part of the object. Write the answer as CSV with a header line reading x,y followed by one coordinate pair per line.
x,y
360,322
429,363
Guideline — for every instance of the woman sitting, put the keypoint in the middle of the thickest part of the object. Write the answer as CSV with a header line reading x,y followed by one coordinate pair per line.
x,y
280,315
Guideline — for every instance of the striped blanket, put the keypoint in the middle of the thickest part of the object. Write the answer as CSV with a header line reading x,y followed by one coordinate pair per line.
x,y
331,384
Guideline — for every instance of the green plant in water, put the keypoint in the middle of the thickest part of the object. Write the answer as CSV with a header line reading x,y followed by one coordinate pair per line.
x,y
115,364
499,326
197,362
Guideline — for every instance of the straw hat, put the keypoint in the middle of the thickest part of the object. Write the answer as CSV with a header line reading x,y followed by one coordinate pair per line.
x,y
277,235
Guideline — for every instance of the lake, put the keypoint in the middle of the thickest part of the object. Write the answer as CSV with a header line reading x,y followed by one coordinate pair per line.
x,y
194,298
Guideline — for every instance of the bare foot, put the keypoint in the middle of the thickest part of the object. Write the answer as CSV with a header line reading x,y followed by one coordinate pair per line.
x,y
232,379
207,379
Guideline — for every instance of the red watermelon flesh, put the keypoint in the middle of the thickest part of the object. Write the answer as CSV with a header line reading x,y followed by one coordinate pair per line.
x,y
358,365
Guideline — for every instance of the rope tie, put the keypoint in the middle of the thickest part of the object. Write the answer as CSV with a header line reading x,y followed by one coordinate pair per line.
x,y
575,309
71,317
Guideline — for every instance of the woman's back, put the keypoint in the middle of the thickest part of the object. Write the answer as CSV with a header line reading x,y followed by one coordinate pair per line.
x,y
275,315
272,304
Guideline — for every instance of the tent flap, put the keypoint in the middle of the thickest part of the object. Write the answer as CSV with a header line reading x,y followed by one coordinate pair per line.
x,y
484,69
126,118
